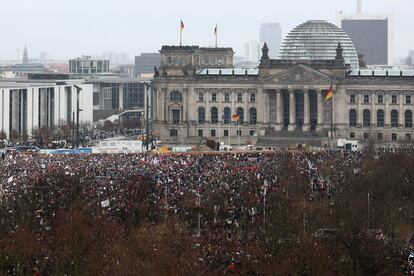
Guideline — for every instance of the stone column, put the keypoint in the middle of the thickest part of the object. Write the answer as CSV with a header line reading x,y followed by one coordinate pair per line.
x,y
43,107
161,108
246,97
387,114
164,95
207,100
5,110
320,109
279,110
373,109
154,104
292,110
185,105
359,110
306,110
401,98
15,109
264,115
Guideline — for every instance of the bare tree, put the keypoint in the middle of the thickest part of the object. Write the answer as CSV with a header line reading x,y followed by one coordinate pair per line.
x,y
14,136
108,126
3,135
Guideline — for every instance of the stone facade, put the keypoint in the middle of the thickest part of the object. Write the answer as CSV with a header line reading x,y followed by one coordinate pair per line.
x,y
281,97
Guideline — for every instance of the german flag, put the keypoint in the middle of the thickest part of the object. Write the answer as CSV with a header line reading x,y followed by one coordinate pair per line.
x,y
235,117
329,94
181,26
215,31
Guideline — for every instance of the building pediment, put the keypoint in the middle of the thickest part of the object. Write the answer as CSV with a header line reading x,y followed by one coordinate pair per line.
x,y
299,74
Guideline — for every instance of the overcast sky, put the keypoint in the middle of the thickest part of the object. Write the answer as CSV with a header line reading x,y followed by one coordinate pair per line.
x,y
70,28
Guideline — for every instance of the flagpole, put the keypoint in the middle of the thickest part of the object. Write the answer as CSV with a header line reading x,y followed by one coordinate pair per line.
x,y
229,132
219,134
238,133
332,120
181,32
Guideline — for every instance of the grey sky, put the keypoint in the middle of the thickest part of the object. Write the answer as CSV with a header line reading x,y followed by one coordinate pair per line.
x,y
70,28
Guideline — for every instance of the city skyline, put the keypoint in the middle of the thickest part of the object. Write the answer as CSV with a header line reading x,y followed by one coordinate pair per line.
x,y
50,27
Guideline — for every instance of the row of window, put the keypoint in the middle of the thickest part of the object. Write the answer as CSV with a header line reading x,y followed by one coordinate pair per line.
x,y
380,136
366,118
226,97
178,97
380,99
226,118
213,133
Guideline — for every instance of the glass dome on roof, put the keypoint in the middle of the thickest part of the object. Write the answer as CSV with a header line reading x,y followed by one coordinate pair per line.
x,y
317,40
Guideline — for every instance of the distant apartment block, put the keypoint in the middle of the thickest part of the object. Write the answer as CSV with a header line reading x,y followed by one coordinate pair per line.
x,y
252,51
271,33
146,62
85,65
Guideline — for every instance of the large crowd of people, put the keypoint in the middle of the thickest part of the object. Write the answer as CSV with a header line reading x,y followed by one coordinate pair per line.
x,y
235,186
175,177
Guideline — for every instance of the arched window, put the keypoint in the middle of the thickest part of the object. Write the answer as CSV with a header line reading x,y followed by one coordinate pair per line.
x,y
201,115
366,118
394,118
408,118
227,115
352,118
253,116
214,115
176,96
380,118
240,112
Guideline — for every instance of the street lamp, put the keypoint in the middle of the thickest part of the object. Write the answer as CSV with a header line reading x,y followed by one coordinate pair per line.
x,y
147,107
78,110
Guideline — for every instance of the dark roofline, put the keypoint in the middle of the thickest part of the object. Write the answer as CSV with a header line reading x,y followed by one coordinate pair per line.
x,y
194,48
269,63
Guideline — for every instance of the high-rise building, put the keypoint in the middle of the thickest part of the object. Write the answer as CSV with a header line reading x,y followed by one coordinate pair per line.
x,y
146,62
252,51
372,35
271,33
410,59
44,57
88,66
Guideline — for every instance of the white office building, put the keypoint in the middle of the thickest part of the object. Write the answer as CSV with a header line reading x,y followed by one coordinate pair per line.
x,y
26,106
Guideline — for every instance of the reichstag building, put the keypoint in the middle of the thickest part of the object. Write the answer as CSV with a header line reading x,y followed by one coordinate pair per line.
x,y
197,92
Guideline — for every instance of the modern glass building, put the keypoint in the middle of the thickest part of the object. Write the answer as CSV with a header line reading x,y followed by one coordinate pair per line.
x,y
372,35
146,62
114,94
318,40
